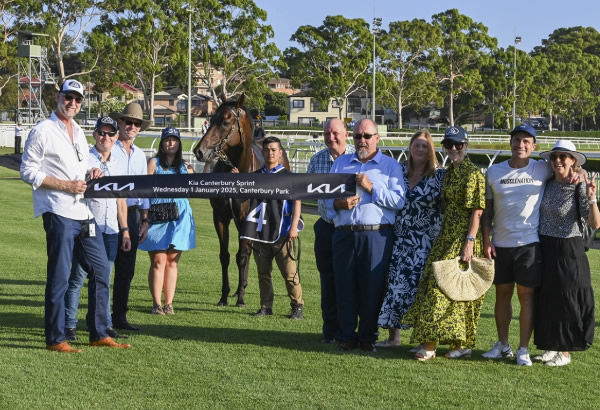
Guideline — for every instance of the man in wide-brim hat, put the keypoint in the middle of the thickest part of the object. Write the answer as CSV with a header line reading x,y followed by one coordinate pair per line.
x,y
131,122
132,113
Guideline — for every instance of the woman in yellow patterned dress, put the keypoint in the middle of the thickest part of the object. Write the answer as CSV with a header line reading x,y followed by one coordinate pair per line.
x,y
435,318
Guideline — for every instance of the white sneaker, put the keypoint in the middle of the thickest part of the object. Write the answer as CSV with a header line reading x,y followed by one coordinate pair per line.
x,y
559,359
499,351
545,357
523,357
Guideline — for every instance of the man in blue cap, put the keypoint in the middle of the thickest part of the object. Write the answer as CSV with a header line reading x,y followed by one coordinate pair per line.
x,y
514,192
109,213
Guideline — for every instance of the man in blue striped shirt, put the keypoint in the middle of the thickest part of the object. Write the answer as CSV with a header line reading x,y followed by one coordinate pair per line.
x,y
362,241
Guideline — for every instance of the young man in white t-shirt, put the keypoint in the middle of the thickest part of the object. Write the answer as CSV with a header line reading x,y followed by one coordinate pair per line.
x,y
514,192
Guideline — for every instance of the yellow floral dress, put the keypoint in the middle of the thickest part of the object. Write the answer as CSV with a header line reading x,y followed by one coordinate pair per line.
x,y
434,317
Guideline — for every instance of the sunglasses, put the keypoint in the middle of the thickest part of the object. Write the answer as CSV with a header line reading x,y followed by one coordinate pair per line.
x,y
450,144
109,133
78,152
365,136
69,97
136,123
562,156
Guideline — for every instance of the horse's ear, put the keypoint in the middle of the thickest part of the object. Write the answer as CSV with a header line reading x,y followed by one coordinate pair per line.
x,y
240,102
223,97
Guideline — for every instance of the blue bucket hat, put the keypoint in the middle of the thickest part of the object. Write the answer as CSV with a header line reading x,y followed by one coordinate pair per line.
x,y
169,132
455,134
106,121
527,129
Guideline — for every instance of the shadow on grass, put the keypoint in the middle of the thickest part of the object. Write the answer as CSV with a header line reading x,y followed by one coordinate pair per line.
x,y
14,282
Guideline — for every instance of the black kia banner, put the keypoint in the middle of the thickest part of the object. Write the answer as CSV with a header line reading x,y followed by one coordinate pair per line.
x,y
217,185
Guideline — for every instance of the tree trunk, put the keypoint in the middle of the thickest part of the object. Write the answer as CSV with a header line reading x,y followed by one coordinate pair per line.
x,y
550,120
153,81
451,111
400,124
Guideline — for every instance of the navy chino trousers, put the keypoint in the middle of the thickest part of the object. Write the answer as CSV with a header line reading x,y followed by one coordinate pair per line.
x,y
360,263
324,258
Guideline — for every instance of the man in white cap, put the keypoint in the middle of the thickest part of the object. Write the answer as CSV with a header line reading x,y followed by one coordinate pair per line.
x,y
55,163
131,122
514,192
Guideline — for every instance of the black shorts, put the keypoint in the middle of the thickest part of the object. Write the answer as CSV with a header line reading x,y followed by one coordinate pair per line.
x,y
521,264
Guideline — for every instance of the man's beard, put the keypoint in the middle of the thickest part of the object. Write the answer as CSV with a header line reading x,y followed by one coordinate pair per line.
x,y
362,152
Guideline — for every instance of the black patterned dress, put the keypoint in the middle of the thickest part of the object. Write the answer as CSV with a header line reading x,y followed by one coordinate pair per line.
x,y
417,225
434,317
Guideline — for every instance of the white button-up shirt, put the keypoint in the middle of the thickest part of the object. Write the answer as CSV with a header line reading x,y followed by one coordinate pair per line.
x,y
105,209
49,152
134,164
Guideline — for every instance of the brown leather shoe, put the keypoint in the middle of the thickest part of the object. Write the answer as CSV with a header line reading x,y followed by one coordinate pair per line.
x,y
108,342
63,347
347,346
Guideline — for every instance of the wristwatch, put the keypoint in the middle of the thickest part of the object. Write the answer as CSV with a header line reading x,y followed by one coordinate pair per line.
x,y
125,229
470,238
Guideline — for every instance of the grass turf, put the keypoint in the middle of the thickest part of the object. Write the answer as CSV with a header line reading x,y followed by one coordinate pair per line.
x,y
210,357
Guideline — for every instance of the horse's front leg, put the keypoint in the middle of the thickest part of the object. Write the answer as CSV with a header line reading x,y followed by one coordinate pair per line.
x,y
243,261
221,223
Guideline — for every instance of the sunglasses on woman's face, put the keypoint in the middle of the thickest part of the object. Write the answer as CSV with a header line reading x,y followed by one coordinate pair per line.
x,y
562,156
450,144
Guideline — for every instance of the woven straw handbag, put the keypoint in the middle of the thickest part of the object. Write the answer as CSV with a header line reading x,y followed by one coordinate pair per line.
x,y
464,285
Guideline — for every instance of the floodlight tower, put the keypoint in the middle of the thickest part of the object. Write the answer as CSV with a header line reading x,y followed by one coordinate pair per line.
x,y
517,41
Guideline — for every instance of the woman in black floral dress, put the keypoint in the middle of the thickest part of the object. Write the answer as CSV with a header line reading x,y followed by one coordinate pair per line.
x,y
417,225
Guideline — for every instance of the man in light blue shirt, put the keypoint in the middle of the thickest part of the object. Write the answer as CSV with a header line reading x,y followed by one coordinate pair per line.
x,y
108,220
362,241
131,122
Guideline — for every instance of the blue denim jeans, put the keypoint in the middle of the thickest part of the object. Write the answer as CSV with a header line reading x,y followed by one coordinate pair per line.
x,y
78,275
65,236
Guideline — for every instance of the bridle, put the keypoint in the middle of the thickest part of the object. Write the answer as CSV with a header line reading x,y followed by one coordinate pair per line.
x,y
221,155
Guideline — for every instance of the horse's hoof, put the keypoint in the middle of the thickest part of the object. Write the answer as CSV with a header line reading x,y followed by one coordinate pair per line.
x,y
222,303
240,305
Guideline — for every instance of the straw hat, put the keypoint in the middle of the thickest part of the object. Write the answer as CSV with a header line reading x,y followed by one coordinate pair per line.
x,y
132,111
565,146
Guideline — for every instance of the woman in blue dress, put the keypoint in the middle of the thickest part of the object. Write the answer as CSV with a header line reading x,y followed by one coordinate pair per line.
x,y
166,240
417,225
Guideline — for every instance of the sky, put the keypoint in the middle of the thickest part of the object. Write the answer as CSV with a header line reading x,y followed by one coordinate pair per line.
x,y
532,20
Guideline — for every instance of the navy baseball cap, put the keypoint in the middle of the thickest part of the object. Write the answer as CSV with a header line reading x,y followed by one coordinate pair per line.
x,y
71,86
527,129
169,132
106,121
456,134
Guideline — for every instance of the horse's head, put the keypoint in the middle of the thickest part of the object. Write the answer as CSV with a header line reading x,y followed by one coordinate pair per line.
x,y
230,128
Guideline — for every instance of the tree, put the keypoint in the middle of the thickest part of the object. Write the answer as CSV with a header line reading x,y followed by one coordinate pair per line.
x,y
146,39
407,49
465,47
332,59
231,36
66,22
275,103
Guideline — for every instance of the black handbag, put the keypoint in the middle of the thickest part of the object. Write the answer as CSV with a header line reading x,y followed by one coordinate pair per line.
x,y
163,212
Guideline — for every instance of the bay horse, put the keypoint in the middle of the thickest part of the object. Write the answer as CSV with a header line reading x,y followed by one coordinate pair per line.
x,y
229,142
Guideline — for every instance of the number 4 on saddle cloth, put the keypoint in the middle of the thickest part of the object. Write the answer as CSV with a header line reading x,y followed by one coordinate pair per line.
x,y
268,221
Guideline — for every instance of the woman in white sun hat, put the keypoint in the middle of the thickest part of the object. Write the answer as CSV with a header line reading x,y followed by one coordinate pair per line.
x,y
564,313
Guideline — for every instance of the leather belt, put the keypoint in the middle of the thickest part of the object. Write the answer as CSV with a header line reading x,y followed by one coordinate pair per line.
x,y
359,228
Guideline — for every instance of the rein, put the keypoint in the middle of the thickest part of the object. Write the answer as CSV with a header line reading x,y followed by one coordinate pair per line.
x,y
221,155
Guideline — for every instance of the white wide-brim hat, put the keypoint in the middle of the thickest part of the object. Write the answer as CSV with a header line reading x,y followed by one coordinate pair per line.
x,y
568,147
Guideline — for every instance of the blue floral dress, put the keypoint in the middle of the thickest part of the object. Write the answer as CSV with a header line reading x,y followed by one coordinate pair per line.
x,y
417,225
179,234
